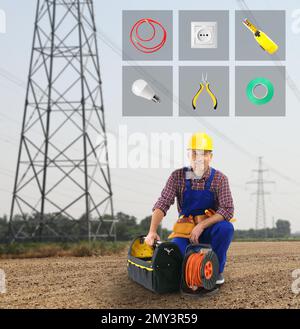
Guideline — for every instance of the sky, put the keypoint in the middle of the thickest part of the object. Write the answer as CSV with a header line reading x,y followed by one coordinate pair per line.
x,y
136,190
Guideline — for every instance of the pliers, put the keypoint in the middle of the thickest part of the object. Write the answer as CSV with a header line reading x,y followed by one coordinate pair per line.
x,y
212,96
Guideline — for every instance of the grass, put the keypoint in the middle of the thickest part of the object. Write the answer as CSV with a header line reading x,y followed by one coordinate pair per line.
x,y
83,248
43,250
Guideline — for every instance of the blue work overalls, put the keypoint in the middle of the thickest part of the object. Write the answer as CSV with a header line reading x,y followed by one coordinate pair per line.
x,y
195,202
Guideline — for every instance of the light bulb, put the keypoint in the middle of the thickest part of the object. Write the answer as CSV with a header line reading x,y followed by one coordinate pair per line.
x,y
142,89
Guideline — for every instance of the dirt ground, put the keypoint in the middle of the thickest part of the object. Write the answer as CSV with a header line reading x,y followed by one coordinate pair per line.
x,y
258,275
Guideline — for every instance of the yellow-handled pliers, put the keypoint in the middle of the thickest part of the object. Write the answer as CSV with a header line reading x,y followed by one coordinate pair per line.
x,y
212,96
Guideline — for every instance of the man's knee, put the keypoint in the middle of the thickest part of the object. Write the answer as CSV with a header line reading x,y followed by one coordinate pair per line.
x,y
224,229
181,243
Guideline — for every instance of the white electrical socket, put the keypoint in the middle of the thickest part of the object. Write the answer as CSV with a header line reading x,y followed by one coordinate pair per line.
x,y
204,34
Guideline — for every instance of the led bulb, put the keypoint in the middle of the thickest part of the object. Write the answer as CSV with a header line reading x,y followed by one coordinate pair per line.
x,y
142,89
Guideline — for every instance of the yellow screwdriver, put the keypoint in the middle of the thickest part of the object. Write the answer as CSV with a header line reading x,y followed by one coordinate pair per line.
x,y
262,39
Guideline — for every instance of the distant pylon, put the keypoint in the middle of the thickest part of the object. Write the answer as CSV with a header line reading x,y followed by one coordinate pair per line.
x,y
63,169
260,220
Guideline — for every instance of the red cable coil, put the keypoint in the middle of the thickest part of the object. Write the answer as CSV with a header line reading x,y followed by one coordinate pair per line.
x,y
137,40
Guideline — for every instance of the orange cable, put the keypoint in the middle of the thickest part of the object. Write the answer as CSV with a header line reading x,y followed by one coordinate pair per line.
x,y
193,270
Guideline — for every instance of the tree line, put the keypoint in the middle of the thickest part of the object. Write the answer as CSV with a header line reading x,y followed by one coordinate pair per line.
x,y
127,228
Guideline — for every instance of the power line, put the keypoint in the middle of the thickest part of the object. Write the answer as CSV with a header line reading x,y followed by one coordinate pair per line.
x,y
53,55
167,92
291,83
117,50
260,220
284,176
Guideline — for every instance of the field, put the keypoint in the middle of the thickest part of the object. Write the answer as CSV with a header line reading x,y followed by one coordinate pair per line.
x,y
258,275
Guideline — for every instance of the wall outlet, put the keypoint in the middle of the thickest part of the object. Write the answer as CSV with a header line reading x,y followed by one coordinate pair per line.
x,y
204,34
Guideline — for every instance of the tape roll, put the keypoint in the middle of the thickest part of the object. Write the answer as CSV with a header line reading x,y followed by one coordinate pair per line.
x,y
260,82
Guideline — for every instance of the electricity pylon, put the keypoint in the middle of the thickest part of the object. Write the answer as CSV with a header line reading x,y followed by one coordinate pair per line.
x,y
62,168
260,220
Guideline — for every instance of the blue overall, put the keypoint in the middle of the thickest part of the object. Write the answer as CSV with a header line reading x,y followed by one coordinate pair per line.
x,y
218,235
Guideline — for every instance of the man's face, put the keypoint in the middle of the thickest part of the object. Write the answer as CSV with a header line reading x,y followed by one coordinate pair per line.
x,y
199,160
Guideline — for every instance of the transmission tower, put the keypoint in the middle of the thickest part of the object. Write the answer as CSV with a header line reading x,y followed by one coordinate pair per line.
x,y
62,167
260,221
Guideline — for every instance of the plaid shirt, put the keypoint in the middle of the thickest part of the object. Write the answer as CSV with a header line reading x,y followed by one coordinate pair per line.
x,y
175,188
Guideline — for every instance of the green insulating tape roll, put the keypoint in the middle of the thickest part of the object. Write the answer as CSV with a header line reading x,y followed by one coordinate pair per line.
x,y
260,82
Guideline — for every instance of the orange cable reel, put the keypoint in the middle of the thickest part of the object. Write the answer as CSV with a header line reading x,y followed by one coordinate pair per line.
x,y
201,270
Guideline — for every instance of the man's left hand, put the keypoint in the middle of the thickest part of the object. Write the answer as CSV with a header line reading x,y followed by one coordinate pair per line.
x,y
196,233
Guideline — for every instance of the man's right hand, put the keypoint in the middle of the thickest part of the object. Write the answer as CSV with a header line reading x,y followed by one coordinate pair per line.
x,y
151,237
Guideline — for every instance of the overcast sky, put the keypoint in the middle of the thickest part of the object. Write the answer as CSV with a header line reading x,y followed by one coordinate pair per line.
x,y
136,190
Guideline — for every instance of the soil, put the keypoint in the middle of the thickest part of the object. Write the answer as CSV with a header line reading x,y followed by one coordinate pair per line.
x,y
257,274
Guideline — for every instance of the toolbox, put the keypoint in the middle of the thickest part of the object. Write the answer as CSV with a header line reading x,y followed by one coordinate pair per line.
x,y
157,268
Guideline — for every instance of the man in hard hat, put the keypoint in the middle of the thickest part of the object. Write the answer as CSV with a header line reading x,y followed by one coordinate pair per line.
x,y
204,203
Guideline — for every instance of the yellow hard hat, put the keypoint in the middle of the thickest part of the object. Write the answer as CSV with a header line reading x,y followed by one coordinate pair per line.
x,y
200,141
